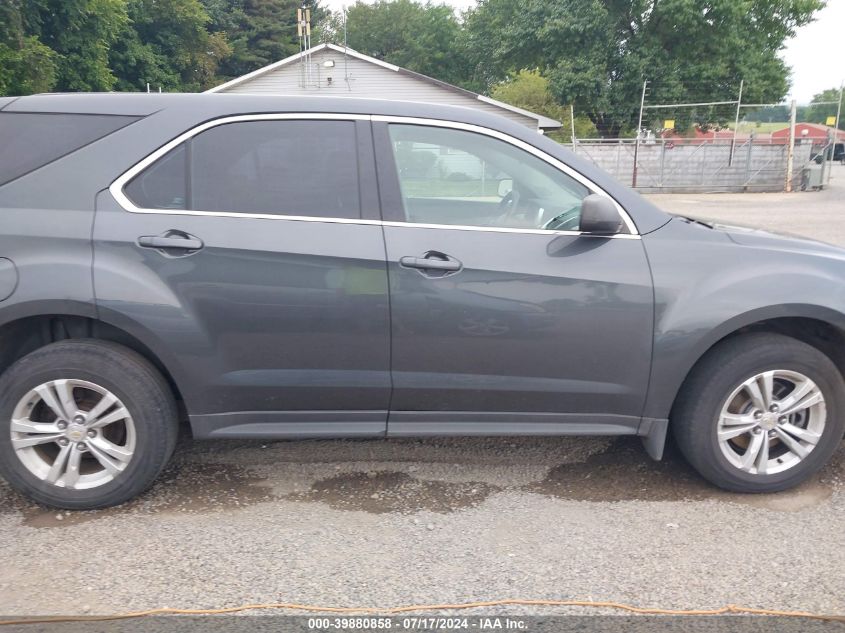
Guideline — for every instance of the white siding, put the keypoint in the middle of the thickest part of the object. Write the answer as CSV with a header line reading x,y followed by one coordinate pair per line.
x,y
365,79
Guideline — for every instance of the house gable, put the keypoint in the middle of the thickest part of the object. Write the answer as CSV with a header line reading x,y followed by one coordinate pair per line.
x,y
337,72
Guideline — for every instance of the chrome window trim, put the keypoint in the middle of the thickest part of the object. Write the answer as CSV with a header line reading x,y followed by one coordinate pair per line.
x,y
116,188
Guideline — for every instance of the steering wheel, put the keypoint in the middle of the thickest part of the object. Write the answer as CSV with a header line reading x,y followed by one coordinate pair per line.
x,y
508,207
569,220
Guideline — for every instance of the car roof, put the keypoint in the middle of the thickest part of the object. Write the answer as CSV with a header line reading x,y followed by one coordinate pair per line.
x,y
180,111
144,104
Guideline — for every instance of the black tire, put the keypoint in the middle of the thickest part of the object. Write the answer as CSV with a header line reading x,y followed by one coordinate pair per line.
x,y
127,375
694,420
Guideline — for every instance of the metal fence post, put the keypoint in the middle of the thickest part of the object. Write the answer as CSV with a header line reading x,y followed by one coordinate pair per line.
x,y
748,161
639,129
790,150
836,130
736,123
619,158
828,145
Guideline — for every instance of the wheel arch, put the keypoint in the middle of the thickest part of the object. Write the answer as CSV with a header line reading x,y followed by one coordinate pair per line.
x,y
24,334
821,327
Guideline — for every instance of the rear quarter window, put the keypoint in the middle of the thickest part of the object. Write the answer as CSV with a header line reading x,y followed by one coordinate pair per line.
x,y
29,140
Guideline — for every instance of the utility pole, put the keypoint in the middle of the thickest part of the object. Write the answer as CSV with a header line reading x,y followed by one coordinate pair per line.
x,y
639,129
345,54
303,31
736,122
300,28
308,42
572,123
790,151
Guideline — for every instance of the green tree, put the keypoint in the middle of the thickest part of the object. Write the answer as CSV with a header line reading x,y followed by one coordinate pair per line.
x,y
597,53
259,32
769,114
223,15
827,107
529,90
26,65
80,32
425,38
166,44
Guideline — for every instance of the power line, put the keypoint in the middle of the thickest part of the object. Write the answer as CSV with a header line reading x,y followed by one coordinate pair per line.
x,y
691,105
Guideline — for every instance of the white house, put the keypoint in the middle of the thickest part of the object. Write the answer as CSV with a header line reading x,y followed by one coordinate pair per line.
x,y
331,70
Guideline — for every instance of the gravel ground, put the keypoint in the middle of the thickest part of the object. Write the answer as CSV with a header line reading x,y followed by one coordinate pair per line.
x,y
385,523
380,523
818,215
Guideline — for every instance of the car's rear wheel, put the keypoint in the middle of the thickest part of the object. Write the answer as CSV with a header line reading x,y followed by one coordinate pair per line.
x,y
760,413
88,424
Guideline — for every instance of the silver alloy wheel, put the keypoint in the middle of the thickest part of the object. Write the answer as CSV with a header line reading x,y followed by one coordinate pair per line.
x,y
73,434
771,422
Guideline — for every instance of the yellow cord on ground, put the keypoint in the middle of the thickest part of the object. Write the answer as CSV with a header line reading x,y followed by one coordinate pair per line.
x,y
731,608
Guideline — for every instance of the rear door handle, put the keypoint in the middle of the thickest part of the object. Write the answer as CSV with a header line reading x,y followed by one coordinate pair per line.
x,y
171,240
425,263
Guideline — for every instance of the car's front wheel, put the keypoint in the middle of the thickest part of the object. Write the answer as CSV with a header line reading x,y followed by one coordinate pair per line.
x,y
760,413
88,424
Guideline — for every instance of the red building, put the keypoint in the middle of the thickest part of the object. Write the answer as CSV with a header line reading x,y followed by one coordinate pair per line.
x,y
816,132
811,132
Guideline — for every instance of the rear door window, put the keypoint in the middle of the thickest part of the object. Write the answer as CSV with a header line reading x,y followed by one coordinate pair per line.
x,y
294,168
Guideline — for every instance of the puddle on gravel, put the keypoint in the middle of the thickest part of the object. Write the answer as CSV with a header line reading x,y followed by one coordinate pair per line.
x,y
191,488
382,492
624,473
620,473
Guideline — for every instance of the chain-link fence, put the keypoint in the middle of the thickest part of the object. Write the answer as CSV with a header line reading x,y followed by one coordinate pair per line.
x,y
724,145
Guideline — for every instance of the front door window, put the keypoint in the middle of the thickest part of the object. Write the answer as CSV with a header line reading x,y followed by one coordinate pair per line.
x,y
455,177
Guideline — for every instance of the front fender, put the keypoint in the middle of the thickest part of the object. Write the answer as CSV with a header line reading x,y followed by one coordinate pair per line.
x,y
707,286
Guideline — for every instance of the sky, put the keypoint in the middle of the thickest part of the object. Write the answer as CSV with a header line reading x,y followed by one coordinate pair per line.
x,y
814,54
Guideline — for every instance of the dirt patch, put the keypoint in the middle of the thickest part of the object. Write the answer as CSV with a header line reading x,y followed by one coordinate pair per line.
x,y
192,488
382,492
623,473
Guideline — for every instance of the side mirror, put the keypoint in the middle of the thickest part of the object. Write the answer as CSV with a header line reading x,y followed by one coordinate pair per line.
x,y
599,216
505,187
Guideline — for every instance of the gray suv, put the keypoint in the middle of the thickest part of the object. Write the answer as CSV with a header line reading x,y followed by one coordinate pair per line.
x,y
268,267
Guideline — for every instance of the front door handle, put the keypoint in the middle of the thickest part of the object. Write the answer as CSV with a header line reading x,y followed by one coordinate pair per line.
x,y
171,240
424,263
432,263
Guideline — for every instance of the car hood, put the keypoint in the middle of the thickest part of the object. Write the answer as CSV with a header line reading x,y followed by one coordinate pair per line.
x,y
758,238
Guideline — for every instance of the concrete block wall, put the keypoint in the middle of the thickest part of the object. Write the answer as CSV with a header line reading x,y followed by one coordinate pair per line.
x,y
697,167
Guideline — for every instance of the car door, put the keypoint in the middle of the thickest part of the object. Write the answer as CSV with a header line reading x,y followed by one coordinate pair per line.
x,y
504,318
249,252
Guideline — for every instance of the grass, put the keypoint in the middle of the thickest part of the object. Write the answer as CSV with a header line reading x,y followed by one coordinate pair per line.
x,y
763,128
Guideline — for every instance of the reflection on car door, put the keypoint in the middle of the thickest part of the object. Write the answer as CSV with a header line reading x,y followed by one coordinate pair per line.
x,y
257,265
498,327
